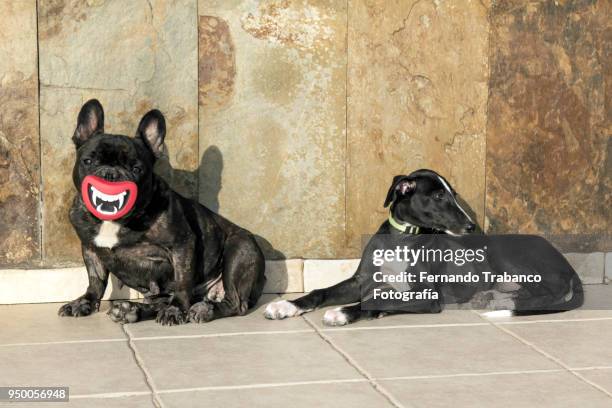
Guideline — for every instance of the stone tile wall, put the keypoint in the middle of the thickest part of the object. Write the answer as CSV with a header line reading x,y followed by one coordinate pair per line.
x,y
272,120
549,144
417,98
19,137
291,117
131,55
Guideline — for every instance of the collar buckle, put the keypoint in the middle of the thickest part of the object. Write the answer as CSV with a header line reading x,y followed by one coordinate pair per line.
x,y
404,227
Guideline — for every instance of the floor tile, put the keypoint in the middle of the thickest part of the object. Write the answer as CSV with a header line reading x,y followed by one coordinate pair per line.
x,y
40,323
254,321
541,390
87,368
138,401
343,395
437,350
577,344
601,377
242,360
597,297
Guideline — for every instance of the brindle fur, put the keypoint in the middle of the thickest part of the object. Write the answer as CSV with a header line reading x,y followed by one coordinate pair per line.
x,y
169,248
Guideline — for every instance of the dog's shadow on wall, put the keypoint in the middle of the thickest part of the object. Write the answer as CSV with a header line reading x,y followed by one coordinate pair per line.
x,y
204,185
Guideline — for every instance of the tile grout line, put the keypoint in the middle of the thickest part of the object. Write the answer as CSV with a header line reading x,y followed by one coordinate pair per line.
x,y
486,125
347,155
402,326
459,375
492,373
197,69
140,363
262,385
51,343
586,319
219,388
108,395
550,357
229,334
40,144
371,380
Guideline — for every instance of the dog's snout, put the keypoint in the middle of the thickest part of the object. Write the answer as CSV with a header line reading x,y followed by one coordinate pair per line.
x,y
111,176
469,227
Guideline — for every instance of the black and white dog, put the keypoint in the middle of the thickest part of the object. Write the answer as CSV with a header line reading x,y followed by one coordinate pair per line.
x,y
425,203
190,263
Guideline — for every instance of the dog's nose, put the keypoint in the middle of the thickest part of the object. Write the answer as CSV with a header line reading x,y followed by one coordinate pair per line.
x,y
110,175
469,227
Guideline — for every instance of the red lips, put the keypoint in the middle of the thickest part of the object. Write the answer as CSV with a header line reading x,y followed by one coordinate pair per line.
x,y
108,200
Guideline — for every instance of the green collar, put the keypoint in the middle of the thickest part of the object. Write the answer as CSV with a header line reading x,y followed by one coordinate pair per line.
x,y
403,227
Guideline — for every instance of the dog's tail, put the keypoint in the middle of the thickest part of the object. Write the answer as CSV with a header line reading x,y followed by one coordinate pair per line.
x,y
576,294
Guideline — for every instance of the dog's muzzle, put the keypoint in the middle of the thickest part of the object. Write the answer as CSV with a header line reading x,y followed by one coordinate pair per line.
x,y
108,200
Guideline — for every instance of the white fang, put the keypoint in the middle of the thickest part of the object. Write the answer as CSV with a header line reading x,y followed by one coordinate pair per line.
x,y
97,196
108,235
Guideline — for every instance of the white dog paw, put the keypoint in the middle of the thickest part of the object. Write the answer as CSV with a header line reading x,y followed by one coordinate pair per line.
x,y
282,309
335,317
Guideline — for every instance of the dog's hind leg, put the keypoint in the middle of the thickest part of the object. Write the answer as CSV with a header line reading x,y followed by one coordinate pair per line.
x,y
231,305
243,278
347,291
551,298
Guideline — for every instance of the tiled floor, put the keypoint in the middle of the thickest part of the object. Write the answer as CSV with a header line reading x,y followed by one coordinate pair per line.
x,y
453,359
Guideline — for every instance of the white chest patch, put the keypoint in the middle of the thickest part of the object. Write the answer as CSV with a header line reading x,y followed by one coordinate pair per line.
x,y
108,235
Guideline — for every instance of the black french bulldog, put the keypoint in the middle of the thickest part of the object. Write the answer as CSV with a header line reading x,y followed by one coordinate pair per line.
x,y
188,262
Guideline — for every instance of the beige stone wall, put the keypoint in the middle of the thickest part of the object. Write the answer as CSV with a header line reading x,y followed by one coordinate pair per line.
x,y
291,117
133,56
19,140
417,98
273,117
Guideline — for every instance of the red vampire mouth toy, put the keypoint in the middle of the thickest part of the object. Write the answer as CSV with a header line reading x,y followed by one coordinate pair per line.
x,y
108,200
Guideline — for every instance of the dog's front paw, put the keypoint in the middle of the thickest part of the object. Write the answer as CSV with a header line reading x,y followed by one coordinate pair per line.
x,y
201,312
124,312
281,310
170,316
78,307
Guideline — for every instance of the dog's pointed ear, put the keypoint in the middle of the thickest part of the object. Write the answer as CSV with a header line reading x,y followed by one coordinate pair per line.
x,y
152,131
89,122
399,185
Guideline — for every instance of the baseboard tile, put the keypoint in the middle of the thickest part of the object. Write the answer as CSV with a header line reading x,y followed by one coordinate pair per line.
x,y
283,276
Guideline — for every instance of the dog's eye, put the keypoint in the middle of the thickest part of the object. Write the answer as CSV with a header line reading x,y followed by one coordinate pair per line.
x,y
87,161
439,196
136,170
